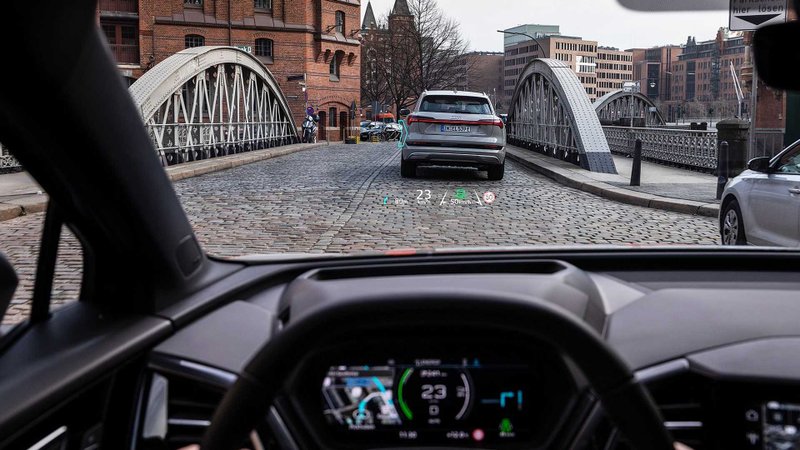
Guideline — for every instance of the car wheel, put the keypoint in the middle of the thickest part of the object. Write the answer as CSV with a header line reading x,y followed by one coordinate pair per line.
x,y
407,169
496,172
731,227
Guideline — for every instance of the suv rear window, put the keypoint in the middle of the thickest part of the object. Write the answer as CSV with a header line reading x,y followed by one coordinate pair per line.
x,y
455,104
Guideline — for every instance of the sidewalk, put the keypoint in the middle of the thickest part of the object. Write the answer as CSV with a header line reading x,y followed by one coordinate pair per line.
x,y
20,195
662,187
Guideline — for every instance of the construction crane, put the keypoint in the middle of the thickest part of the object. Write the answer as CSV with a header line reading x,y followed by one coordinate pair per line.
x,y
738,87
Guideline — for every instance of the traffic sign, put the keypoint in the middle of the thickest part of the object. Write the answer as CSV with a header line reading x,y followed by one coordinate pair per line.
x,y
748,15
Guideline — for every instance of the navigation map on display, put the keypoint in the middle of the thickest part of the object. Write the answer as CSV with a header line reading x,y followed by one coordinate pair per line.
x,y
360,398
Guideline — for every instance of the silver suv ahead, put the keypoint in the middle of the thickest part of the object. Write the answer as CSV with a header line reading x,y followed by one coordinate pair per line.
x,y
454,128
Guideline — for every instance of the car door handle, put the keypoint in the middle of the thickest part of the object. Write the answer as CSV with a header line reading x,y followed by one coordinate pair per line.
x,y
794,191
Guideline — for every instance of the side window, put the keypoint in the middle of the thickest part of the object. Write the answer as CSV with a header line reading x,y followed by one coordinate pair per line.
x,y
334,66
332,117
22,227
264,49
790,162
20,242
340,22
194,40
262,5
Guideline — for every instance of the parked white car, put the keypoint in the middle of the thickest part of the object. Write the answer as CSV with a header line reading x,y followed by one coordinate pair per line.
x,y
762,205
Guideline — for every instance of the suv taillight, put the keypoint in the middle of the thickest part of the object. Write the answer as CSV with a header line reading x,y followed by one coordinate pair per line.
x,y
498,122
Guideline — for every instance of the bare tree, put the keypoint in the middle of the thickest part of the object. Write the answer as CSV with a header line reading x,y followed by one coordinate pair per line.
x,y
438,47
411,54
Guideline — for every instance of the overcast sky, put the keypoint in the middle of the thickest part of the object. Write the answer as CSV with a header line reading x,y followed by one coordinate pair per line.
x,y
602,20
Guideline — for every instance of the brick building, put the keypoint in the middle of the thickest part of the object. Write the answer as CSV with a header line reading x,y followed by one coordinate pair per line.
x,y
702,75
316,38
483,72
614,68
579,54
652,68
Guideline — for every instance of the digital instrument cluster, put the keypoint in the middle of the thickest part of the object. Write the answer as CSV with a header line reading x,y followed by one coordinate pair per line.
x,y
460,401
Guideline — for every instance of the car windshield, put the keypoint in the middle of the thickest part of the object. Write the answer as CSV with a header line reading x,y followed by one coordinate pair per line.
x,y
579,123
455,104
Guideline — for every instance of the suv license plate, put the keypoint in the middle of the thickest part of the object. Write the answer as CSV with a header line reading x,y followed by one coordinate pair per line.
x,y
455,129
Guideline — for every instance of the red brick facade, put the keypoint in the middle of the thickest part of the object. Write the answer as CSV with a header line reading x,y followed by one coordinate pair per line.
x,y
304,36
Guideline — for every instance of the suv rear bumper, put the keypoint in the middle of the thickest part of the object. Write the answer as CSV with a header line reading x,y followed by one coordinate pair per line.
x,y
460,156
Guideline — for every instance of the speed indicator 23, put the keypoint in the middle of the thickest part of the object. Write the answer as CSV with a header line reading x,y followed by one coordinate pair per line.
x,y
434,394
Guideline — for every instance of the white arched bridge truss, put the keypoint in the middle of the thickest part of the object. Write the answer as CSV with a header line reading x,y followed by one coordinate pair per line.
x,y
551,113
617,108
204,102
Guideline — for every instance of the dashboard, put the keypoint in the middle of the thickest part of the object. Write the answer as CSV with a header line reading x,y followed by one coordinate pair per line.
x,y
409,387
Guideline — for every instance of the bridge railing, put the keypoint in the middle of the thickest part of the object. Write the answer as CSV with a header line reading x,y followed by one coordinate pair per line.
x,y
182,142
767,142
7,160
685,148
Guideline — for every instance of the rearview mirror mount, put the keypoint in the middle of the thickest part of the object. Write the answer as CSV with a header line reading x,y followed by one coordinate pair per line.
x,y
776,52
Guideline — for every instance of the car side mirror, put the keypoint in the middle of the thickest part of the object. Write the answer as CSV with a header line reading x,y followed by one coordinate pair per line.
x,y
405,112
759,164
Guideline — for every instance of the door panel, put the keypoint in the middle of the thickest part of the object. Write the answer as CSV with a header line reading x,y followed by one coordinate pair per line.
x,y
55,360
775,210
775,202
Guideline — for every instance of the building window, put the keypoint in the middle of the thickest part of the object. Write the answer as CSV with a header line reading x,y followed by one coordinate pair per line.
x,y
332,117
264,48
335,66
123,39
194,3
262,5
194,40
340,22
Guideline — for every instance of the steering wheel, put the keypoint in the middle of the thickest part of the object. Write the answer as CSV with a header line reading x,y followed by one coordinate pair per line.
x,y
624,400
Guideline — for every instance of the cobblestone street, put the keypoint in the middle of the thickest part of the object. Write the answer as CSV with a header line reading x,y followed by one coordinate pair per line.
x,y
348,198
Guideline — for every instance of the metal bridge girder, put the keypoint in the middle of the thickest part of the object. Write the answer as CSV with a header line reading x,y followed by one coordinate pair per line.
x,y
551,112
212,101
617,105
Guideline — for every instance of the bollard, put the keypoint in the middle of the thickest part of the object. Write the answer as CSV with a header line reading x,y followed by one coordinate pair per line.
x,y
636,170
737,134
722,168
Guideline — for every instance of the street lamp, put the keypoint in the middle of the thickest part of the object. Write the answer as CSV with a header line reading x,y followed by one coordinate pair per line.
x,y
516,33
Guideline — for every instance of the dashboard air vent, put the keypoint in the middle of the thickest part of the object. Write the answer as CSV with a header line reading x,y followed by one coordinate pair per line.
x,y
178,411
681,400
190,408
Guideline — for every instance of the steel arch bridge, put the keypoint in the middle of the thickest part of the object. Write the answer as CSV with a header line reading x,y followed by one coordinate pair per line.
x,y
617,105
205,102
551,113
